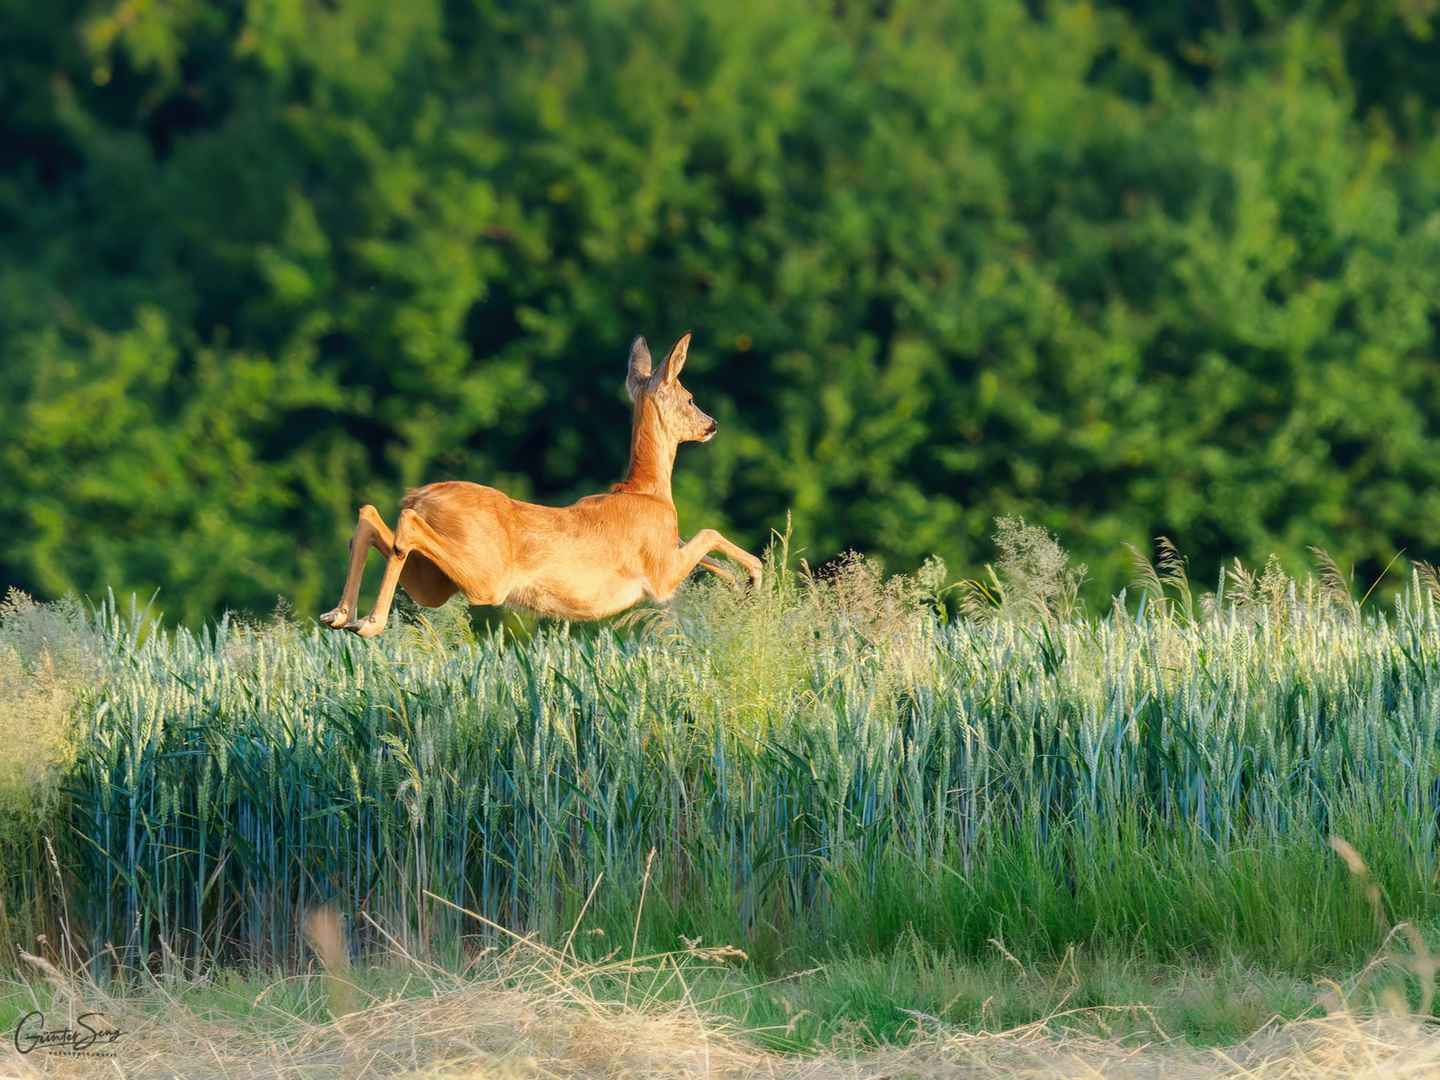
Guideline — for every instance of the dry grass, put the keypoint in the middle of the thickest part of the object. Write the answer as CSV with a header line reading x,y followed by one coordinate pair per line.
x,y
1340,1046
46,653
542,1017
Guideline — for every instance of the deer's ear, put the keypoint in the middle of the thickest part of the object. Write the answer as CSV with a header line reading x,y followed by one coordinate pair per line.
x,y
670,369
639,366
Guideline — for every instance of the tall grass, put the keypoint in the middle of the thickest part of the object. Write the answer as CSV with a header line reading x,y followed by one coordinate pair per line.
x,y
827,763
46,655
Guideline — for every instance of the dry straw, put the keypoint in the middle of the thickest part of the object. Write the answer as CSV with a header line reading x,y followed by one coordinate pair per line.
x,y
534,1016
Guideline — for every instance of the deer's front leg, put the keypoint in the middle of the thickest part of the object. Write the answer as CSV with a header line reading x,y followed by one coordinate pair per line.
x,y
718,570
704,542
752,565
707,563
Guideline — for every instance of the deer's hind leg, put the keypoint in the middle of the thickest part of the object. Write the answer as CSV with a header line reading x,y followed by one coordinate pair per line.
x,y
370,531
412,538
426,583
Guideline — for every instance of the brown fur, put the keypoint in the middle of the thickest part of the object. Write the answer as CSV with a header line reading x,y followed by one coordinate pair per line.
x,y
585,561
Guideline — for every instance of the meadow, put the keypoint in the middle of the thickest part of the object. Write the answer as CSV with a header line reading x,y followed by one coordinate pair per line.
x,y
834,772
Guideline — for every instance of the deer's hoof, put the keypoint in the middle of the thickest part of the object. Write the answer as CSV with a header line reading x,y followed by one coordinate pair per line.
x,y
366,627
337,618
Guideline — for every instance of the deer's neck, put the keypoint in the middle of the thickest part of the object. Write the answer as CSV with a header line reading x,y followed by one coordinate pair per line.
x,y
652,455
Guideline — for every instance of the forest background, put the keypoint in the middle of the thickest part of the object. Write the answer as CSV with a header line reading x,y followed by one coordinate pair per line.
x,y
1124,269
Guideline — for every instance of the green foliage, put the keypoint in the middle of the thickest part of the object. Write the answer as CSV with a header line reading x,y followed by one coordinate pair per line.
x,y
1123,272
1166,785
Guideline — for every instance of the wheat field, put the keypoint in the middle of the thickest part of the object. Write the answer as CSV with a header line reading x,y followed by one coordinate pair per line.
x,y
831,758
842,761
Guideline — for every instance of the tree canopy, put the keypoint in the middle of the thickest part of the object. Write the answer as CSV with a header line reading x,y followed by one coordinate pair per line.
x,y
1123,269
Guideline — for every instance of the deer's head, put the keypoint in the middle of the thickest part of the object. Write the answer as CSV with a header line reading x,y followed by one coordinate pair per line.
x,y
674,406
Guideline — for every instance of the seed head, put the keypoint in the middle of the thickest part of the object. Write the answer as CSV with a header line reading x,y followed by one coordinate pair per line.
x,y
1350,855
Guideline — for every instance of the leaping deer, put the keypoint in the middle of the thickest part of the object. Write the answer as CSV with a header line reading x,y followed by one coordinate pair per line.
x,y
585,561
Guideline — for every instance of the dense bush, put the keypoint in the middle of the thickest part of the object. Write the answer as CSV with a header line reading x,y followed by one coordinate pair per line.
x,y
1127,270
